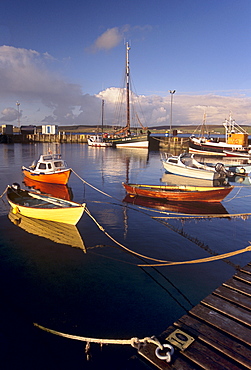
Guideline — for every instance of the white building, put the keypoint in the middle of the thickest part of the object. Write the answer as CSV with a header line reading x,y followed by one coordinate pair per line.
x,y
50,129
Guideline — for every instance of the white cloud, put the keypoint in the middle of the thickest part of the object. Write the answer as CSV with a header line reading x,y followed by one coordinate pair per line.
x,y
25,76
10,114
109,39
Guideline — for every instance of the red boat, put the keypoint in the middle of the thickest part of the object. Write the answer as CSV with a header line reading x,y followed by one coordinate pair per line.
x,y
182,193
50,168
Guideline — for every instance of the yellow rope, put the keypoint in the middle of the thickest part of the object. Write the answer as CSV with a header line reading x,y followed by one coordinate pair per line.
x,y
163,262
133,341
206,259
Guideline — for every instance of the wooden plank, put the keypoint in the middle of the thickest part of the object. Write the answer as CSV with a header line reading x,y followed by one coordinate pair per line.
x,y
220,341
178,363
246,269
227,308
221,327
207,358
222,323
239,286
234,297
243,276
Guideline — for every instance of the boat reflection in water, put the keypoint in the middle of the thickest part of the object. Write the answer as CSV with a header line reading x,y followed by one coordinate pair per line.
x,y
198,208
56,190
58,232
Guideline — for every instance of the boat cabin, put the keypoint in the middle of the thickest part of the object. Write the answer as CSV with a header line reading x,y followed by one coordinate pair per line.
x,y
49,163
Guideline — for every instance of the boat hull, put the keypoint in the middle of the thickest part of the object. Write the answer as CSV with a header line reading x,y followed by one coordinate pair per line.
x,y
133,141
217,148
24,203
237,154
59,177
179,193
189,172
98,141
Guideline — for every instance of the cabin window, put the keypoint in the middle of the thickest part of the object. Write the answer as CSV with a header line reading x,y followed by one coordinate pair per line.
x,y
47,157
42,166
58,164
49,166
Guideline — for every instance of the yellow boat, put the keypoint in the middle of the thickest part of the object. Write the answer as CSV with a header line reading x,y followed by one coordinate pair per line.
x,y
43,206
56,231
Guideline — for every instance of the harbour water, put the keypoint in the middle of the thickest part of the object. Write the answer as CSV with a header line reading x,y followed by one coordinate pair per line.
x,y
101,292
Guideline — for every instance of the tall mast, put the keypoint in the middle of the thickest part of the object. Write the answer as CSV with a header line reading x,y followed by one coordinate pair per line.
x,y
102,114
127,87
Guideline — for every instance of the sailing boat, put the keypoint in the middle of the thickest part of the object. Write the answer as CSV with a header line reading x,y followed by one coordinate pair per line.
x,y
124,137
98,140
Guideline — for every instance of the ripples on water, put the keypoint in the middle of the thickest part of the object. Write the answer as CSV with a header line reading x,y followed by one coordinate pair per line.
x,y
103,293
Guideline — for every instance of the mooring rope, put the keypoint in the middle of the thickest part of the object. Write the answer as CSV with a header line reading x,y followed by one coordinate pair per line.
x,y
93,187
134,342
235,196
4,192
164,262
201,260
223,215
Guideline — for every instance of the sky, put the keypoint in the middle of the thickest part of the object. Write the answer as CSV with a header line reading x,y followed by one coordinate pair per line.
x,y
59,59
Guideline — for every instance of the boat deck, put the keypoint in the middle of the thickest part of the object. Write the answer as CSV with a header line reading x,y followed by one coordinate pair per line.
x,y
215,334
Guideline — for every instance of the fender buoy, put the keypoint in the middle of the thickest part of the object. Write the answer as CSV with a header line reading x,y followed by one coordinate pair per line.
x,y
15,210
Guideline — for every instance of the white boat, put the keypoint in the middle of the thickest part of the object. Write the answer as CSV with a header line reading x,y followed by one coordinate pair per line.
x,y
98,140
186,165
238,154
235,144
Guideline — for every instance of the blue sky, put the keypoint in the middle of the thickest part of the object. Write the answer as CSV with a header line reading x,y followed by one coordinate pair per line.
x,y
60,58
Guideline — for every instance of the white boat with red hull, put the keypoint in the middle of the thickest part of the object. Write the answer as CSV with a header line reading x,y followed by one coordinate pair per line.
x,y
235,144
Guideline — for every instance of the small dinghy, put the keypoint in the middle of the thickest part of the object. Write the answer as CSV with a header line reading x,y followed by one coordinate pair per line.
x,y
180,193
43,206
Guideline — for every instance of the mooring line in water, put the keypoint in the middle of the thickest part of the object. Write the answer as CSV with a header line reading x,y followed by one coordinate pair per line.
x,y
223,215
1,196
164,262
228,200
202,260
4,192
87,183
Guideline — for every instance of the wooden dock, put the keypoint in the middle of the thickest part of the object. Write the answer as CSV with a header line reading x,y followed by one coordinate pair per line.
x,y
215,334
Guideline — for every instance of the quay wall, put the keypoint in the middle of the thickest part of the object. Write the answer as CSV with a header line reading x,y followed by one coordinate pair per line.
x,y
163,143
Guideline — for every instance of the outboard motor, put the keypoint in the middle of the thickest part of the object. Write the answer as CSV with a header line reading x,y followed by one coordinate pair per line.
x,y
220,168
220,172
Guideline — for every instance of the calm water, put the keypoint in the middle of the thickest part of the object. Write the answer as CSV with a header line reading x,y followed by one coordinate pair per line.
x,y
103,293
